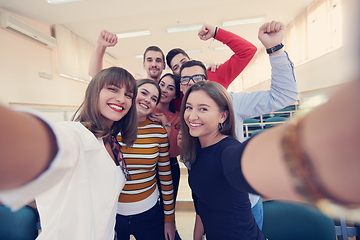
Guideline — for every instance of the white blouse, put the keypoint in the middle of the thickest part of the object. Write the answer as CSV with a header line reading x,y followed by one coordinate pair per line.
x,y
77,195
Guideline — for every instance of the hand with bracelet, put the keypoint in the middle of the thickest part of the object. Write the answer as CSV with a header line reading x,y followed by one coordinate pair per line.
x,y
271,35
207,32
314,158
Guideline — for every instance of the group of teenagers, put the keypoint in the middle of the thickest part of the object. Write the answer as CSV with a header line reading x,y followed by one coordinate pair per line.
x,y
114,172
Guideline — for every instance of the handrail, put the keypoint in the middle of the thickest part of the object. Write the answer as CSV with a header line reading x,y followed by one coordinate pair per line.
x,y
259,124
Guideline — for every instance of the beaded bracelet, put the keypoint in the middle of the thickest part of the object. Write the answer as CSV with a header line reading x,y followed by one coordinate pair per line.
x,y
306,181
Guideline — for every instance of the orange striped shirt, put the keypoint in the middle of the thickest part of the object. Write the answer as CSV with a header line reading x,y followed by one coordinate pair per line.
x,y
149,151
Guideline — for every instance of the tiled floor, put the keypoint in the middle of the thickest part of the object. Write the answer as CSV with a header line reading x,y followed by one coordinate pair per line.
x,y
184,218
184,192
185,215
185,224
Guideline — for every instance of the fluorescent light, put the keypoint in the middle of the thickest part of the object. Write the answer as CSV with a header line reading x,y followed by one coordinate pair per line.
x,y
194,51
60,1
133,34
243,22
221,48
138,56
183,29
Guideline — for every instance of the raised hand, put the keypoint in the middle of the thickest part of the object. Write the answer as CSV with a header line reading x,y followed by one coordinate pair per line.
x,y
213,67
107,39
206,32
158,117
271,33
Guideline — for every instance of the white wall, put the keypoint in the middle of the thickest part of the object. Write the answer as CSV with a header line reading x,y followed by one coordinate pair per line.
x,y
21,60
333,68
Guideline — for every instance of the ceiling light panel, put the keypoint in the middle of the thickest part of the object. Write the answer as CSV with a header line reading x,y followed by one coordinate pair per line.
x,y
60,1
243,22
133,34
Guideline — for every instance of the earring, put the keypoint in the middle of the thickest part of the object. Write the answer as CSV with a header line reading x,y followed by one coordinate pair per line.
x,y
221,126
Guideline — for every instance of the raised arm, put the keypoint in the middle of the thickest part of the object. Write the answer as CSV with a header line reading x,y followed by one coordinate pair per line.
x,y
272,34
283,88
27,146
105,39
329,136
243,53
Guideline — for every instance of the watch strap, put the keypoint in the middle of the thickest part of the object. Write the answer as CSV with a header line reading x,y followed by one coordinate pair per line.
x,y
274,48
168,124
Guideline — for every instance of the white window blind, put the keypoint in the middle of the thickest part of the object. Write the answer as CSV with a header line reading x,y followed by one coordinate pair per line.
x,y
74,54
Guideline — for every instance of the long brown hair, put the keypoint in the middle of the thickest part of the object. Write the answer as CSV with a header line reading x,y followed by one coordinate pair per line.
x,y
89,113
189,144
176,80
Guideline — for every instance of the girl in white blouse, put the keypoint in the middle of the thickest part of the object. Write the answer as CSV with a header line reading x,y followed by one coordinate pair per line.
x,y
69,167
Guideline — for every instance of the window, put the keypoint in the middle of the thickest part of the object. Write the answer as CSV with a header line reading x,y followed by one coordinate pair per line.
x,y
315,32
324,27
336,23
74,55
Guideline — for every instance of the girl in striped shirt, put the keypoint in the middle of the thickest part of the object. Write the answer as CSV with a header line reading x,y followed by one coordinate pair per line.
x,y
139,211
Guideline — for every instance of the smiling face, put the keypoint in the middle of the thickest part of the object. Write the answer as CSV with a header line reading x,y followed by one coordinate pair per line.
x,y
202,115
168,90
176,63
154,64
189,72
146,100
114,103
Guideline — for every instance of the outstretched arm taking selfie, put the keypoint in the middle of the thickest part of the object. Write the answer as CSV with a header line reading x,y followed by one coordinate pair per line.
x,y
26,150
327,144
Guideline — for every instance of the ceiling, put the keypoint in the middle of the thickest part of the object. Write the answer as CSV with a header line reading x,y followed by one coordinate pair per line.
x,y
88,17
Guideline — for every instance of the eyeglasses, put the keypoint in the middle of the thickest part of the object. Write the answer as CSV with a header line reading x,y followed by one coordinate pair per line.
x,y
196,78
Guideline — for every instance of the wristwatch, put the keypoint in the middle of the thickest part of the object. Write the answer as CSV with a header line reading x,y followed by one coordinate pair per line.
x,y
168,124
274,48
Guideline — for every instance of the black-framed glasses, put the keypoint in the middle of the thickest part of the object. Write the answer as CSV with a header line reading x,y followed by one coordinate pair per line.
x,y
196,78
